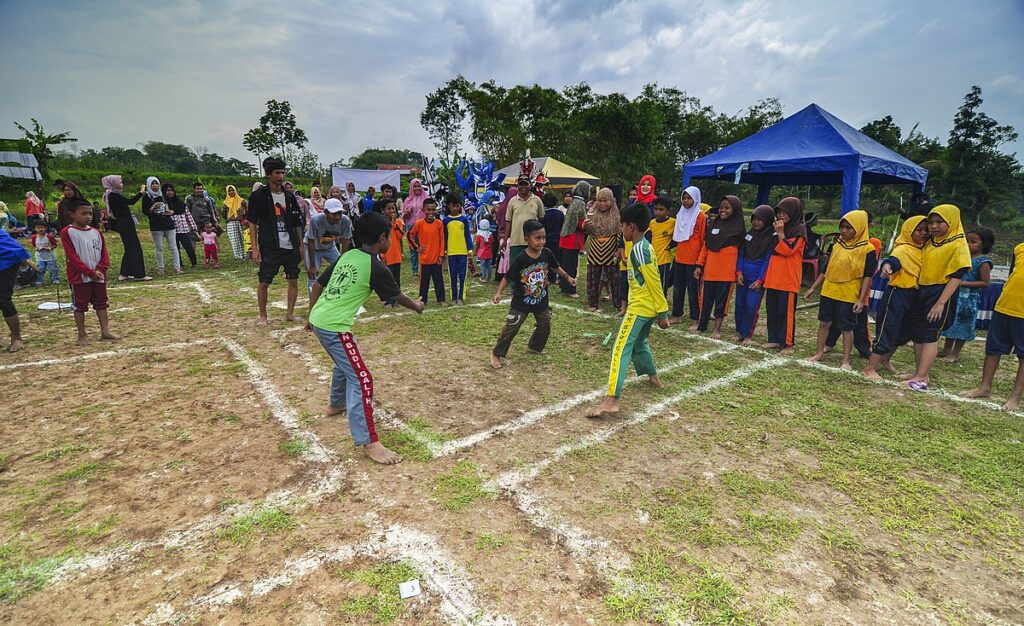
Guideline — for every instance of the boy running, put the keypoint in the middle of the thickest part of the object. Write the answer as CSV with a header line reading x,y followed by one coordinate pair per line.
x,y
344,287
647,303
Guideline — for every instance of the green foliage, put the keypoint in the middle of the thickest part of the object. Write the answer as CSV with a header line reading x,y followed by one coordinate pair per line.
x,y
461,487
442,118
369,159
385,605
277,130
295,447
21,576
40,141
268,520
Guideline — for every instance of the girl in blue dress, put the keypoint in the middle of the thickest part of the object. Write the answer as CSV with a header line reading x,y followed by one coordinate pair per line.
x,y
980,242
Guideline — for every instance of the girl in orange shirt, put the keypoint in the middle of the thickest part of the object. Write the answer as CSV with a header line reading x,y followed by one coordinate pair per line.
x,y
785,269
688,238
717,263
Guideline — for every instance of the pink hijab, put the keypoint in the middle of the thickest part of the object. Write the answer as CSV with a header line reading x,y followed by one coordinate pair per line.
x,y
111,183
412,206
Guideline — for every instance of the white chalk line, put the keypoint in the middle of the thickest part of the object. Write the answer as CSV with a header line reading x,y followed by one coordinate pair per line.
x,y
942,393
277,304
535,415
285,415
94,356
324,376
316,490
440,573
204,296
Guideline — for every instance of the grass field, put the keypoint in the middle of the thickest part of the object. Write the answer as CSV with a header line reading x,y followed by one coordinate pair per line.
x,y
188,474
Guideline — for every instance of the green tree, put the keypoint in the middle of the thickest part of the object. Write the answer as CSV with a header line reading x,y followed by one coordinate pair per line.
x,y
171,157
885,131
258,142
978,174
40,142
371,157
442,118
278,130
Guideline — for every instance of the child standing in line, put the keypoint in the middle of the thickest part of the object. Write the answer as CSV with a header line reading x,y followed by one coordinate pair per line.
x,y
980,243
902,270
46,261
661,230
87,260
861,334
210,247
846,279
751,267
337,295
647,303
1006,334
716,264
785,271
483,249
458,242
393,255
945,261
427,237
528,274
688,236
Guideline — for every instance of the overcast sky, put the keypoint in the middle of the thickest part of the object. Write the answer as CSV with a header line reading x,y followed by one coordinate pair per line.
x,y
199,73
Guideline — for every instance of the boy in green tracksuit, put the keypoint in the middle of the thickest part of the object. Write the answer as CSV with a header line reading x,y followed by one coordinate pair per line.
x,y
336,297
647,304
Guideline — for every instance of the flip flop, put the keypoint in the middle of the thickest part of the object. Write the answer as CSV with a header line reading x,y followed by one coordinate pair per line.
x,y
918,386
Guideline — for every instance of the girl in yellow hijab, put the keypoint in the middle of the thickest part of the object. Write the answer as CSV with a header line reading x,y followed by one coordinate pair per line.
x,y
902,269
945,260
235,207
846,279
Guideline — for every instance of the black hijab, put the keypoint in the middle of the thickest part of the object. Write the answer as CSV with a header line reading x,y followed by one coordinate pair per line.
x,y
794,208
759,242
722,233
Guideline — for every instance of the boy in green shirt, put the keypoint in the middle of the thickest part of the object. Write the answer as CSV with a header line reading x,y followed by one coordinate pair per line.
x,y
337,295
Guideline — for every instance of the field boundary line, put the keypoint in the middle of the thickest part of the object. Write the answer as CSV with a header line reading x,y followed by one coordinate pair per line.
x,y
108,354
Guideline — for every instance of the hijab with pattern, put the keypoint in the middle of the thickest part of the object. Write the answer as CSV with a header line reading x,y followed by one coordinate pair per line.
x,y
722,233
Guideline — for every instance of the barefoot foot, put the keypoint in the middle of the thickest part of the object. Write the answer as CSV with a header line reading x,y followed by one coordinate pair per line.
x,y
814,358
1012,405
495,362
786,350
654,381
16,345
715,334
382,455
109,337
745,342
261,322
82,340
608,408
773,345
949,358
336,410
873,375
845,365
980,392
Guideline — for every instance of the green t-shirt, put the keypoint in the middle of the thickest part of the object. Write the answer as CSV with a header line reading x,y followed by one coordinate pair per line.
x,y
347,284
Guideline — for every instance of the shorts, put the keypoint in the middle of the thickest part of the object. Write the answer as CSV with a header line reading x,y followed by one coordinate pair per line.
x,y
92,293
923,331
838,313
1005,335
274,260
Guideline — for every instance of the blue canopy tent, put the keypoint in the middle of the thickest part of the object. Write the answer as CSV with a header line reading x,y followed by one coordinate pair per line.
x,y
810,147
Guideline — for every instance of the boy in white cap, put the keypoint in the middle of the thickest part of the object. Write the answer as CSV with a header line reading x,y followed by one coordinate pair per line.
x,y
325,233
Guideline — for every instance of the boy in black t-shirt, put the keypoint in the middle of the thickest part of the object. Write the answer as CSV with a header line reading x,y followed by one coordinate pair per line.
x,y
528,274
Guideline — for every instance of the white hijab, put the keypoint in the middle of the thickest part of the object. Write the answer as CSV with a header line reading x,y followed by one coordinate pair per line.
x,y
149,188
686,219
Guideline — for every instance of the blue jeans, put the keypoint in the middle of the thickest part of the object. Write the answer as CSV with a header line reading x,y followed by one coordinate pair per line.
x,y
457,273
485,269
414,256
330,255
47,266
351,384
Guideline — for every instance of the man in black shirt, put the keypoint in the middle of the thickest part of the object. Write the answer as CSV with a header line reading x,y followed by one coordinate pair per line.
x,y
275,226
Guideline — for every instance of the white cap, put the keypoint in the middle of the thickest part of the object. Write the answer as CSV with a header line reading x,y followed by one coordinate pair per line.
x,y
333,205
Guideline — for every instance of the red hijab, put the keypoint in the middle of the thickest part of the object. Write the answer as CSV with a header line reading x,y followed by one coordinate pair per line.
x,y
647,198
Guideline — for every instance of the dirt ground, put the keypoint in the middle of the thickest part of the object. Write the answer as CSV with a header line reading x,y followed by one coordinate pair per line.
x,y
175,480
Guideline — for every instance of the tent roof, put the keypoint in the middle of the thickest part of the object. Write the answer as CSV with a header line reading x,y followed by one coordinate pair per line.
x,y
558,173
18,165
811,146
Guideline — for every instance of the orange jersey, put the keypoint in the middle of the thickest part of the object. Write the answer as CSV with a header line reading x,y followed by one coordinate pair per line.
x,y
719,266
688,252
785,268
428,236
394,254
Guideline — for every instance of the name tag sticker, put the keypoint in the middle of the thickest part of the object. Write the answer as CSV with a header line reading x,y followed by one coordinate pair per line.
x,y
714,231
749,237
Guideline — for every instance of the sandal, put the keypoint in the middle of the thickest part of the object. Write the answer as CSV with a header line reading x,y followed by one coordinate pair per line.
x,y
917,385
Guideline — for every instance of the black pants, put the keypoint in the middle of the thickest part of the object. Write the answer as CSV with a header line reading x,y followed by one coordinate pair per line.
x,y
185,243
665,272
861,336
8,276
891,320
396,271
715,299
684,281
428,272
571,265
514,321
780,307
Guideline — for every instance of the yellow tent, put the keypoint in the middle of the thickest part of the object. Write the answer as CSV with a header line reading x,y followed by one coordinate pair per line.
x,y
560,175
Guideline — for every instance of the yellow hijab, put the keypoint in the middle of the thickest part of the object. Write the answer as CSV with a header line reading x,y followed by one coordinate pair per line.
x,y
906,251
849,257
942,258
233,203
